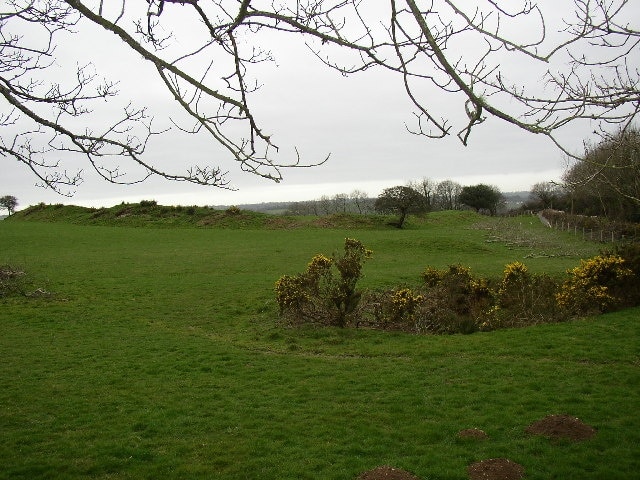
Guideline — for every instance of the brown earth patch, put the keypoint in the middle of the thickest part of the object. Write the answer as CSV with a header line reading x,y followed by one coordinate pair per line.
x,y
562,427
386,472
473,433
495,469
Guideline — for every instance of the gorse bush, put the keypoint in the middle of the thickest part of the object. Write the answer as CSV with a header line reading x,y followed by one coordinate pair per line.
x,y
596,285
456,301
326,291
523,298
453,300
630,253
390,309
233,210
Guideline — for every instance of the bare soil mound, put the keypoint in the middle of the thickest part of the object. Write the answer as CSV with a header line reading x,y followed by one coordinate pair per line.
x,y
562,427
386,472
552,426
495,469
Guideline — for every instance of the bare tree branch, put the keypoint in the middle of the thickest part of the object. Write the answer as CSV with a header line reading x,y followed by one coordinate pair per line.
x,y
585,67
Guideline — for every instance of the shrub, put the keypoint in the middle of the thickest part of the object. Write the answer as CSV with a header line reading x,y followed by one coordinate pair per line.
x,y
11,281
16,282
455,301
630,253
458,302
467,295
452,300
233,210
434,315
522,299
326,291
597,285
403,304
432,276
100,212
390,309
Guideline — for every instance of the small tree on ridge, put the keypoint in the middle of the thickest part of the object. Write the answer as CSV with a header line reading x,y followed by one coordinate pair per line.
x,y
399,199
9,202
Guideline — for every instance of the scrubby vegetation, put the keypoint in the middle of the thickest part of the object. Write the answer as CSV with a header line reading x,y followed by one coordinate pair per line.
x,y
11,280
326,292
453,300
15,282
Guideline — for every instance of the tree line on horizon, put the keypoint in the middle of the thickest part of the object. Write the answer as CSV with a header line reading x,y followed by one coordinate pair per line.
x,y
425,195
604,182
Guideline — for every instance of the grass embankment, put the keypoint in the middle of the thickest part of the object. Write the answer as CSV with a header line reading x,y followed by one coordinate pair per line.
x,y
160,357
150,214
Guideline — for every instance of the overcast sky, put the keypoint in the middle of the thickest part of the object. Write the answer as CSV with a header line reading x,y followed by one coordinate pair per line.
x,y
358,120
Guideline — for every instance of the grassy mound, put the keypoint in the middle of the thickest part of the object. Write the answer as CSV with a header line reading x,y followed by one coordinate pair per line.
x,y
150,214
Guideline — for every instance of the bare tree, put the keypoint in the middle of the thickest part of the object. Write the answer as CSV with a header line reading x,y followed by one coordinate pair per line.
x,y
325,205
340,201
361,201
607,180
426,187
473,51
545,195
447,195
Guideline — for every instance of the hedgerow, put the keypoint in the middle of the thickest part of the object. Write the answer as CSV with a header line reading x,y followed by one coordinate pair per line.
x,y
453,300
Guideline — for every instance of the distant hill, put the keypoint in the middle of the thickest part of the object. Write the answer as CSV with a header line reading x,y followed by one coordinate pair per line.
x,y
516,199
272,208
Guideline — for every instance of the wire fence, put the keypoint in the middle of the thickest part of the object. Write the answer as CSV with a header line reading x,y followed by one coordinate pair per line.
x,y
595,229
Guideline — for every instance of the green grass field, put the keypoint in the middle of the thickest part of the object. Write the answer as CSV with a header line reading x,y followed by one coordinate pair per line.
x,y
160,356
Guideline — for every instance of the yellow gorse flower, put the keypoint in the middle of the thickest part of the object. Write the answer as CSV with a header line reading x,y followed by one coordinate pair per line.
x,y
515,268
590,282
318,263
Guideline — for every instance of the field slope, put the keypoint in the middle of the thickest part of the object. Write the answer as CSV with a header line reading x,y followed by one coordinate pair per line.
x,y
159,356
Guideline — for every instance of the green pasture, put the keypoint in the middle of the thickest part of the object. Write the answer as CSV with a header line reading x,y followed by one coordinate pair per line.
x,y
159,355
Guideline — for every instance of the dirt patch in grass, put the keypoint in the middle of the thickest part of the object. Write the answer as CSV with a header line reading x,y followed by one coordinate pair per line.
x,y
562,427
495,469
551,426
386,472
473,434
